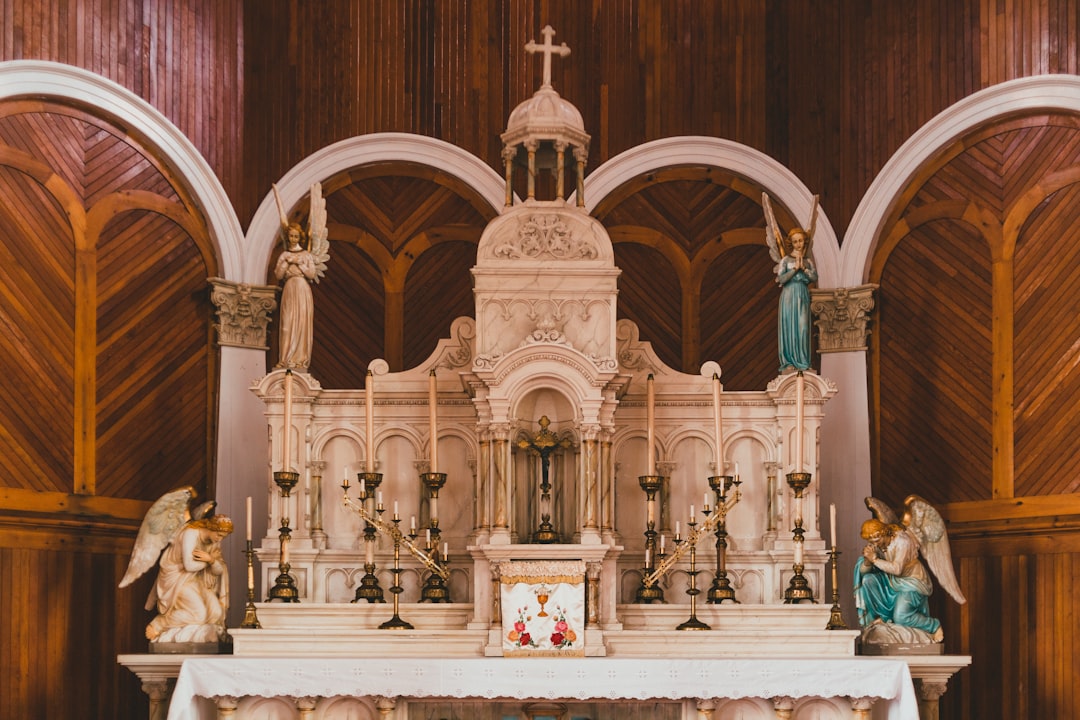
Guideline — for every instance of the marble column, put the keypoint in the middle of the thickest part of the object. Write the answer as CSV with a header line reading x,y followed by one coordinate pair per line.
x,y
158,692
929,693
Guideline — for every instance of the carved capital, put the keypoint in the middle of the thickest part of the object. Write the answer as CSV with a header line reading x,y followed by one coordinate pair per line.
x,y
306,705
226,705
705,709
385,705
861,706
243,312
841,316
784,706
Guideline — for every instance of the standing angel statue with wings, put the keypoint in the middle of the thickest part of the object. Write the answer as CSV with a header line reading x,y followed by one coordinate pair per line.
x,y
191,592
302,262
891,582
795,270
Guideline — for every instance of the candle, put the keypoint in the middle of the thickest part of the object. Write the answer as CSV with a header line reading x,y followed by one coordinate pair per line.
x,y
412,523
345,484
379,500
249,517
662,544
648,557
799,391
676,529
650,424
433,402
395,510
691,513
445,551
427,538
718,423
363,488
286,457
736,469
369,417
832,523
705,501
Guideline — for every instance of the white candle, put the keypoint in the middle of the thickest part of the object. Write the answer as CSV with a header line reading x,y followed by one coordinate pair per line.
x,y
286,428
369,418
676,529
445,551
736,469
427,538
691,513
650,424
346,482
705,500
662,544
412,523
799,391
718,421
395,510
433,402
832,523
363,488
249,517
378,499
648,557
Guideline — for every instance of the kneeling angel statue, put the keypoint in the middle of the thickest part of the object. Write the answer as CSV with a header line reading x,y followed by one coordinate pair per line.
x,y
191,592
891,583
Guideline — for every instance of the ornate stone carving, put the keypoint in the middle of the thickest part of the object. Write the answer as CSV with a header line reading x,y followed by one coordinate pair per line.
x,y
243,312
546,235
841,316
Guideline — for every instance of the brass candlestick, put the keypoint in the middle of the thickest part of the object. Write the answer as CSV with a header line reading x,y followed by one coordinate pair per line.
x,y
693,623
369,588
435,589
395,623
799,588
721,588
836,616
650,593
251,620
284,586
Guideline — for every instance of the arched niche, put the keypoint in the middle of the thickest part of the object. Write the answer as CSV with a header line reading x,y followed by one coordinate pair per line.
x,y
545,443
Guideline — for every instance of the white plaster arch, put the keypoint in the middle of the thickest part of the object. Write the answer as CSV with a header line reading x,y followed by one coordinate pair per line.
x,y
355,152
36,78
752,164
1042,92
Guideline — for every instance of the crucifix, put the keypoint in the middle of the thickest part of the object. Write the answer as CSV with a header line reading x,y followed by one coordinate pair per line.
x,y
543,444
548,49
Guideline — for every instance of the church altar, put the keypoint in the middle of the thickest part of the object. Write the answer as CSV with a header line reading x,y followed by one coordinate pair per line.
x,y
542,433
750,689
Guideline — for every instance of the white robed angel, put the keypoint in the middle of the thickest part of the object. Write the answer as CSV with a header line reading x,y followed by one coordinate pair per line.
x,y
191,592
795,270
299,266
891,582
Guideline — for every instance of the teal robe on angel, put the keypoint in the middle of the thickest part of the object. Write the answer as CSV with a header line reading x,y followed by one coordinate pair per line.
x,y
793,327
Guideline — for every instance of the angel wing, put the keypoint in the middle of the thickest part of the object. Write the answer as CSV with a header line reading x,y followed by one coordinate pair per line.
x,y
881,511
812,225
773,237
929,527
318,244
163,520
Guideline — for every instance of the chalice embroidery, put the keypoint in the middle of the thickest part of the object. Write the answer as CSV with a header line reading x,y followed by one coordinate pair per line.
x,y
542,594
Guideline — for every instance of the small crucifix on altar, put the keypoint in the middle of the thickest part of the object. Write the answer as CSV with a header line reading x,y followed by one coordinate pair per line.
x,y
544,444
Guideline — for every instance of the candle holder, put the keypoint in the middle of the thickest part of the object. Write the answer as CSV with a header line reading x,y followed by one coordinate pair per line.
x,y
836,616
798,589
692,623
650,593
435,589
396,623
284,586
721,588
251,619
369,588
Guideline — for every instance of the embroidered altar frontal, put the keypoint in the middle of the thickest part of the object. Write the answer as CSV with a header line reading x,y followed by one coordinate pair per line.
x,y
543,608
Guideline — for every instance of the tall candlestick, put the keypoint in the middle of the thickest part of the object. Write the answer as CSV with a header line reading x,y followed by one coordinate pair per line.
x,y
832,523
718,422
369,418
286,429
650,424
249,517
799,391
433,402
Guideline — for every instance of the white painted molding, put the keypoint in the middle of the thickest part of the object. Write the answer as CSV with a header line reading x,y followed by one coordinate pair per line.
x,y
38,79
355,152
742,160
1042,92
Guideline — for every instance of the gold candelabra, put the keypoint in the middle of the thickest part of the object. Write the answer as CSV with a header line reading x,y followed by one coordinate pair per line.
x,y
721,588
836,616
798,589
649,592
284,586
251,620
369,588
400,540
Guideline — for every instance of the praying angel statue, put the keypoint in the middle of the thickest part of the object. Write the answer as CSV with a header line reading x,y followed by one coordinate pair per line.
x,y
302,262
795,270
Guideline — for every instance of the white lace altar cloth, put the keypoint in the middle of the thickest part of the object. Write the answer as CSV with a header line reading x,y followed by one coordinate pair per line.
x,y
545,679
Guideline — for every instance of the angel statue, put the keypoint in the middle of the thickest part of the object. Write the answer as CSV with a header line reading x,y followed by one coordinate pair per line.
x,y
795,270
298,266
191,592
891,582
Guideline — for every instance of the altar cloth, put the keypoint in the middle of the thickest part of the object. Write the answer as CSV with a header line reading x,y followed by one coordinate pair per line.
x,y
546,679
